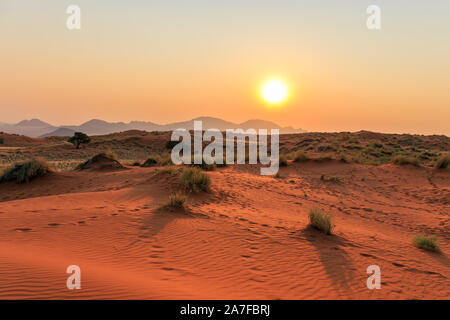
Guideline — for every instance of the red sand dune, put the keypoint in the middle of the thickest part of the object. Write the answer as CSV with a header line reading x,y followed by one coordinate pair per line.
x,y
247,239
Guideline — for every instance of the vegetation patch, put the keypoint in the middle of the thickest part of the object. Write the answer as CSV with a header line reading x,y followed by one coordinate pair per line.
x,y
193,179
405,160
427,243
443,162
203,165
149,162
176,201
330,179
79,138
283,160
171,170
320,220
26,171
300,156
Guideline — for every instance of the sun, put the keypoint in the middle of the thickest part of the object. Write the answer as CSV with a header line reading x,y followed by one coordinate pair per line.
x,y
274,91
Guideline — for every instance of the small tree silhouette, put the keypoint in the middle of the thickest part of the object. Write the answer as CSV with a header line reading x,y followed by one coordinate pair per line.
x,y
79,138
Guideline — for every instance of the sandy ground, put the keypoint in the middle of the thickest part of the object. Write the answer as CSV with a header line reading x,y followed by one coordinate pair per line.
x,y
246,239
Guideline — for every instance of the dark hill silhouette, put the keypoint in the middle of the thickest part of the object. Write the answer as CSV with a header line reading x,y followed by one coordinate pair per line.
x,y
38,128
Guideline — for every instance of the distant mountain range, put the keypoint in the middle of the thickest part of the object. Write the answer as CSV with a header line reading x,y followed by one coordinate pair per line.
x,y
37,128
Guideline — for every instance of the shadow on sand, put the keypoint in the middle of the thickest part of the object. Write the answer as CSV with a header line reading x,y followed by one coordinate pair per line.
x,y
333,257
158,219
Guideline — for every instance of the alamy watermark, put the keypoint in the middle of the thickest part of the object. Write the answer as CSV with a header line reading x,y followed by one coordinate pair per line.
x,y
73,21
74,280
182,153
373,22
374,280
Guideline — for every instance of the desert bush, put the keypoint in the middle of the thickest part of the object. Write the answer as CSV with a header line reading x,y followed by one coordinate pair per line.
x,y
443,162
320,220
300,156
171,170
176,201
375,145
427,243
404,160
283,160
343,157
26,171
164,160
2,141
204,166
79,138
149,162
194,179
325,148
170,144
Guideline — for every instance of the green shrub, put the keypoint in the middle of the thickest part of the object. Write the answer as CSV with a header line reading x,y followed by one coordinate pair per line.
x,y
320,220
79,138
427,243
194,179
405,160
443,162
26,171
2,141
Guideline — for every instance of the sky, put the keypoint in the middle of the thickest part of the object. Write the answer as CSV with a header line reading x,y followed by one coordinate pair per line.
x,y
167,61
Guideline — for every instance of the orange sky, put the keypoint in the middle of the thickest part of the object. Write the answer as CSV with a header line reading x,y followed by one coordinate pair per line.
x,y
162,62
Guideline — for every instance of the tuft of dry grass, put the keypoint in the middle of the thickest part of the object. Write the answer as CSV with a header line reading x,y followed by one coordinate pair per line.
x,y
203,165
330,179
427,243
164,159
26,171
111,154
300,156
405,160
176,201
194,179
443,162
171,170
320,220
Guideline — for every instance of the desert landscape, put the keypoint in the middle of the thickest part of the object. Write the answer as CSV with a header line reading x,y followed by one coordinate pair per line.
x,y
138,227
328,124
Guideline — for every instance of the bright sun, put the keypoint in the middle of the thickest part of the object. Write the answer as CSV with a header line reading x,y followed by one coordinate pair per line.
x,y
274,91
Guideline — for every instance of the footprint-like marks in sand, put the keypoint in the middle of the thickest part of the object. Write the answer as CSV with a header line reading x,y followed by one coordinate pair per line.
x,y
23,229
54,224
155,257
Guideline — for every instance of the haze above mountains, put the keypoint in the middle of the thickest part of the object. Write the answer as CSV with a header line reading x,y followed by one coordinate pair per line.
x,y
37,128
